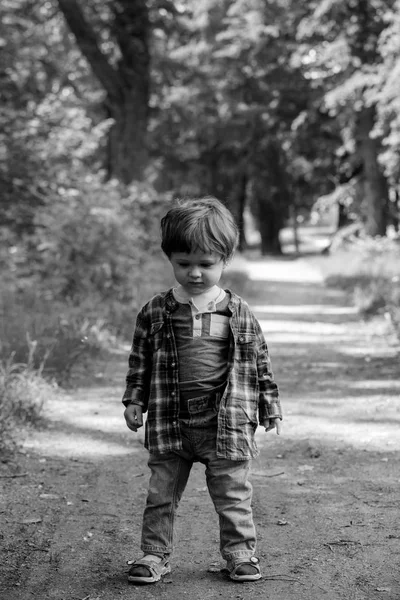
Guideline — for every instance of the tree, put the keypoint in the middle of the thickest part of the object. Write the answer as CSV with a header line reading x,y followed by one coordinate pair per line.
x,y
124,74
230,92
387,97
29,78
343,60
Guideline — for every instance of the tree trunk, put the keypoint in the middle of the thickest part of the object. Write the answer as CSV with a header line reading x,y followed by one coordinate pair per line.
x,y
126,86
237,203
376,196
127,149
343,218
270,196
270,224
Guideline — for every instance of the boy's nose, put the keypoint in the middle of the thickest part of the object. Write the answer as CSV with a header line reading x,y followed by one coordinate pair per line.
x,y
195,272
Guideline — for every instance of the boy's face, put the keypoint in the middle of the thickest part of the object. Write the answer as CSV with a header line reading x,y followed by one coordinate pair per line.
x,y
197,272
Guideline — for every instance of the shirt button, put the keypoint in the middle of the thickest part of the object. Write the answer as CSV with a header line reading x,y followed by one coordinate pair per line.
x,y
198,317
172,394
173,364
241,338
168,335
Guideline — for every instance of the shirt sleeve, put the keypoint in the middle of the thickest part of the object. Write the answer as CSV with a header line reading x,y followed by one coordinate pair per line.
x,y
139,371
269,402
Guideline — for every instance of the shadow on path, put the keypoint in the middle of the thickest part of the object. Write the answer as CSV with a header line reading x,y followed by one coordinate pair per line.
x,y
338,376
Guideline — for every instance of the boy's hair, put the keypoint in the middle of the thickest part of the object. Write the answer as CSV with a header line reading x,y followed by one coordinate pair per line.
x,y
203,224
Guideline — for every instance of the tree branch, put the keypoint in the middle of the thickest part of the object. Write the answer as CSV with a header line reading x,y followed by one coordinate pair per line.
x,y
88,44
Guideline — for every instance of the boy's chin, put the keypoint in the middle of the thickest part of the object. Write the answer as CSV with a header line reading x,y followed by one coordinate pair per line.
x,y
197,288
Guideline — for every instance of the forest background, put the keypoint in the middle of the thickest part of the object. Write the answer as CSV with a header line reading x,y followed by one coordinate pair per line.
x,y
111,109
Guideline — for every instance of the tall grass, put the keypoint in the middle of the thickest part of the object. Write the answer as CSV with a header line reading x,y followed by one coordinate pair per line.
x,y
23,392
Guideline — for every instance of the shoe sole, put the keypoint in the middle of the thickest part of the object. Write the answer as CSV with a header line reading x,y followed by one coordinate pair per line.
x,y
146,580
244,578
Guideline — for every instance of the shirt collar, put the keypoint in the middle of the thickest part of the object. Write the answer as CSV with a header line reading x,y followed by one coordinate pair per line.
x,y
203,303
171,304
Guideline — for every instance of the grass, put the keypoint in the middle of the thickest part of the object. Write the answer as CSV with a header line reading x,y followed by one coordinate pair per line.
x,y
369,272
23,392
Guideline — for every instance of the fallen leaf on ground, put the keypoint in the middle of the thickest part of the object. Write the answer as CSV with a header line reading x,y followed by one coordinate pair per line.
x,y
303,468
31,521
49,496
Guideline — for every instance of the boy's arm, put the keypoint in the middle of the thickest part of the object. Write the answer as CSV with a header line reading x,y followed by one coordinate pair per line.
x,y
139,371
270,412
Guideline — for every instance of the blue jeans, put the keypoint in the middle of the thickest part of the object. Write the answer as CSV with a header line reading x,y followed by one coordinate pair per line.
x,y
227,483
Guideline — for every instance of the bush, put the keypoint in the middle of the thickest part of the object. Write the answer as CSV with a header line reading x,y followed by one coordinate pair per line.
x,y
98,243
23,392
49,336
77,282
368,271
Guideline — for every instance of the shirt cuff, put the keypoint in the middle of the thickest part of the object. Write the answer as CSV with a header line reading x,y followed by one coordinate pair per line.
x,y
133,396
270,410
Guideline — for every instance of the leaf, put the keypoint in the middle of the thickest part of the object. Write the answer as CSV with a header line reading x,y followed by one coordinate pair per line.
x,y
31,521
49,496
303,468
214,568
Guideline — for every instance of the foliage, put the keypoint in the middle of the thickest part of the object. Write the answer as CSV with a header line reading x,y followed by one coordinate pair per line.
x,y
349,51
227,81
97,239
79,281
227,105
47,131
23,392
368,271
387,95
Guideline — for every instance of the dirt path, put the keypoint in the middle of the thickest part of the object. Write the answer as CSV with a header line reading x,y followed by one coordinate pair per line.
x,y
326,493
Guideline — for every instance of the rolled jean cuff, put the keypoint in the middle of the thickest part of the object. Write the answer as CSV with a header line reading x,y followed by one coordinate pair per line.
x,y
156,550
237,555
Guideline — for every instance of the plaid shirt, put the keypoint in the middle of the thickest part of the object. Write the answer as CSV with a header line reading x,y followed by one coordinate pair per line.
x,y
152,380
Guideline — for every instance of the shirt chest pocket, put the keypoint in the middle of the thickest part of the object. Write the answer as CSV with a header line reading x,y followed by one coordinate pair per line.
x,y
156,335
246,346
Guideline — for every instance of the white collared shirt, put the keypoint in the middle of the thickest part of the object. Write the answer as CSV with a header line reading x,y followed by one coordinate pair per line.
x,y
204,303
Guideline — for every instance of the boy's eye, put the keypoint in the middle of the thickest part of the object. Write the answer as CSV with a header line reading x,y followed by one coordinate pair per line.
x,y
202,265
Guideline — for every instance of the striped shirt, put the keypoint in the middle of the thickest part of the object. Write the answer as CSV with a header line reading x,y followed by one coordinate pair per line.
x,y
152,381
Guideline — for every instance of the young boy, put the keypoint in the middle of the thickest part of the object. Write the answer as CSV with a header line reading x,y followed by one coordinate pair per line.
x,y
199,366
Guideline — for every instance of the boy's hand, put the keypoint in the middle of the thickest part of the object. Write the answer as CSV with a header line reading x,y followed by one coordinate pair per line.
x,y
272,424
133,416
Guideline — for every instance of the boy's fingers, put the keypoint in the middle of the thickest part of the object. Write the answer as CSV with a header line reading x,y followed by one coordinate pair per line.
x,y
133,417
270,424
